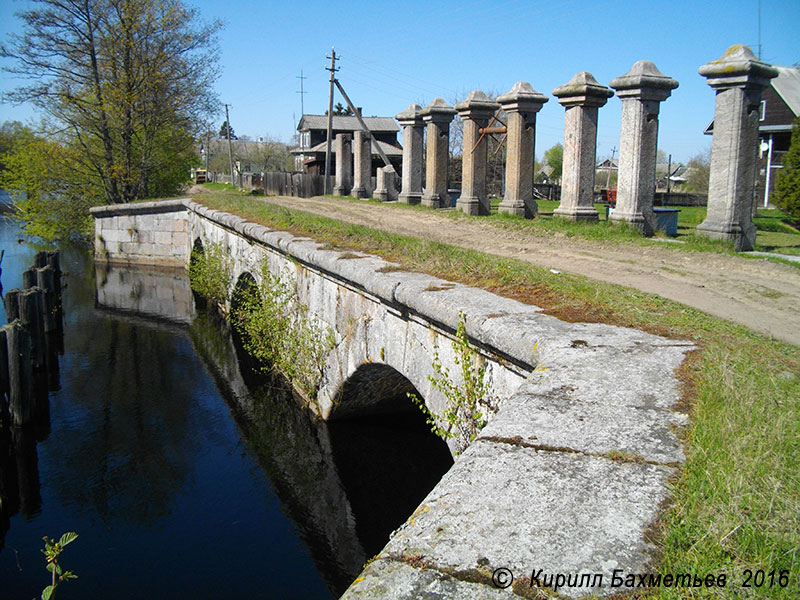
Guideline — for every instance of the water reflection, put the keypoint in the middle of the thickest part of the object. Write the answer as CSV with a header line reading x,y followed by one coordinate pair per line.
x,y
146,463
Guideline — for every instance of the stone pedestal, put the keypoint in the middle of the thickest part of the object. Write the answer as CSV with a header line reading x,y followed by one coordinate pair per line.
x,y
521,103
362,164
437,116
581,98
738,78
641,90
411,122
344,164
475,113
386,190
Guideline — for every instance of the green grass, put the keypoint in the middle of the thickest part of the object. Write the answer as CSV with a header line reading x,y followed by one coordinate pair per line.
x,y
736,505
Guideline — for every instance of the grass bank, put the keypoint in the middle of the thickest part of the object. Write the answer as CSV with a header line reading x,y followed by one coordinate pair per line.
x,y
736,505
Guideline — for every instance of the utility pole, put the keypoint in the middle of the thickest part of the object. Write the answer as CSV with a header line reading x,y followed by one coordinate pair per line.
x,y
302,93
228,132
208,148
669,174
333,70
610,166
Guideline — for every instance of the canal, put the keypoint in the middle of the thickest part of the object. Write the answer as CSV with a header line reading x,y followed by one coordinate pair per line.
x,y
185,472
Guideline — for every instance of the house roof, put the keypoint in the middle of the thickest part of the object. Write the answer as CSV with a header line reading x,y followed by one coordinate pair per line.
x,y
787,86
387,148
341,123
608,164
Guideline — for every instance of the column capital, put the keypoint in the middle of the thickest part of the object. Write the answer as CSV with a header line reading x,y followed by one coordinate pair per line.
x,y
410,117
582,90
476,106
522,98
644,82
738,67
438,112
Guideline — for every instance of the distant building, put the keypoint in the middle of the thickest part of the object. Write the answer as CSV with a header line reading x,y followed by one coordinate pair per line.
x,y
780,107
313,136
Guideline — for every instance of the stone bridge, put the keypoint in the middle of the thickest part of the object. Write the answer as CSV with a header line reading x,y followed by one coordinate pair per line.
x,y
569,473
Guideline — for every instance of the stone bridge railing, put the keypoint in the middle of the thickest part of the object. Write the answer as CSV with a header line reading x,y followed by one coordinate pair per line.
x,y
568,474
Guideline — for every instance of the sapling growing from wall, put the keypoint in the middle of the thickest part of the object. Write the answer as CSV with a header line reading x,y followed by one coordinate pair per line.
x,y
279,331
465,411
211,273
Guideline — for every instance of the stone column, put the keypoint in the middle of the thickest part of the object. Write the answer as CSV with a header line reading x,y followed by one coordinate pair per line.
x,y
641,90
581,98
738,78
362,164
521,103
344,164
437,116
386,190
411,122
475,113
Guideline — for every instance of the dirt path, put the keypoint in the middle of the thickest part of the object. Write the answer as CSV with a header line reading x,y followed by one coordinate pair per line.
x,y
759,294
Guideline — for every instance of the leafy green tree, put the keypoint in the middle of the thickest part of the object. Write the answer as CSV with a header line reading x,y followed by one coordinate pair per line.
x,y
340,110
787,183
49,189
124,81
698,171
554,157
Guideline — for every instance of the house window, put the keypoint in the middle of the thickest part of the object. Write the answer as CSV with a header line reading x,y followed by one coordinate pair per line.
x,y
763,113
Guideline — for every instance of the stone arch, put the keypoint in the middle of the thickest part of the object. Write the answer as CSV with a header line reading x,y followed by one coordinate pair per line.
x,y
373,389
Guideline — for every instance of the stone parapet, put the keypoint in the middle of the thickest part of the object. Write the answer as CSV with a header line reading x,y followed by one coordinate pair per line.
x,y
152,233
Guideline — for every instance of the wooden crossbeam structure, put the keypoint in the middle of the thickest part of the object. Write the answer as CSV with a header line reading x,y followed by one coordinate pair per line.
x,y
490,131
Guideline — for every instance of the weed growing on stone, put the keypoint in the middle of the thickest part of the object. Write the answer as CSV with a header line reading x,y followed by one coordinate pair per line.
x,y
278,331
211,273
462,417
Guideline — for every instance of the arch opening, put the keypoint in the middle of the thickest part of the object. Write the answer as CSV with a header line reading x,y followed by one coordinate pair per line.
x,y
387,458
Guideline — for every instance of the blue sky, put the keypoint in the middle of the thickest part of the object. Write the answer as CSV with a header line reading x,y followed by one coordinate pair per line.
x,y
393,54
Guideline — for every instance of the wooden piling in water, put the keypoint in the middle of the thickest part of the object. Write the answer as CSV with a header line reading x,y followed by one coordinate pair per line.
x,y
29,278
20,373
11,302
46,282
30,315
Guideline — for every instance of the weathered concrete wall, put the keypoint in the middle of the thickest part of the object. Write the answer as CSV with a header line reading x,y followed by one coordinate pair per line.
x,y
570,472
148,233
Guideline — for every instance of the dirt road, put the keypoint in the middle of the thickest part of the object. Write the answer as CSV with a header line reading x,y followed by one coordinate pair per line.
x,y
757,293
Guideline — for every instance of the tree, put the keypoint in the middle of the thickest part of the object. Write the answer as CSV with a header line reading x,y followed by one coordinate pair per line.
x,y
340,110
56,199
223,131
125,83
698,171
787,183
554,157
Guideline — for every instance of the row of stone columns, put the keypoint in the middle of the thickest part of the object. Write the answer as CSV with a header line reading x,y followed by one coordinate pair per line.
x,y
738,78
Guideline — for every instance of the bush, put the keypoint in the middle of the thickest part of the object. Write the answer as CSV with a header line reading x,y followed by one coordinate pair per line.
x,y
211,273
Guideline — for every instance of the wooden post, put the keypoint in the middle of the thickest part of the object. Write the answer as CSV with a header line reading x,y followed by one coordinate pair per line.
x,y
3,376
30,316
29,278
11,302
46,282
20,374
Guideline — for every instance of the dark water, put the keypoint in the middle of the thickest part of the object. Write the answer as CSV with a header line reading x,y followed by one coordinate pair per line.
x,y
184,476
